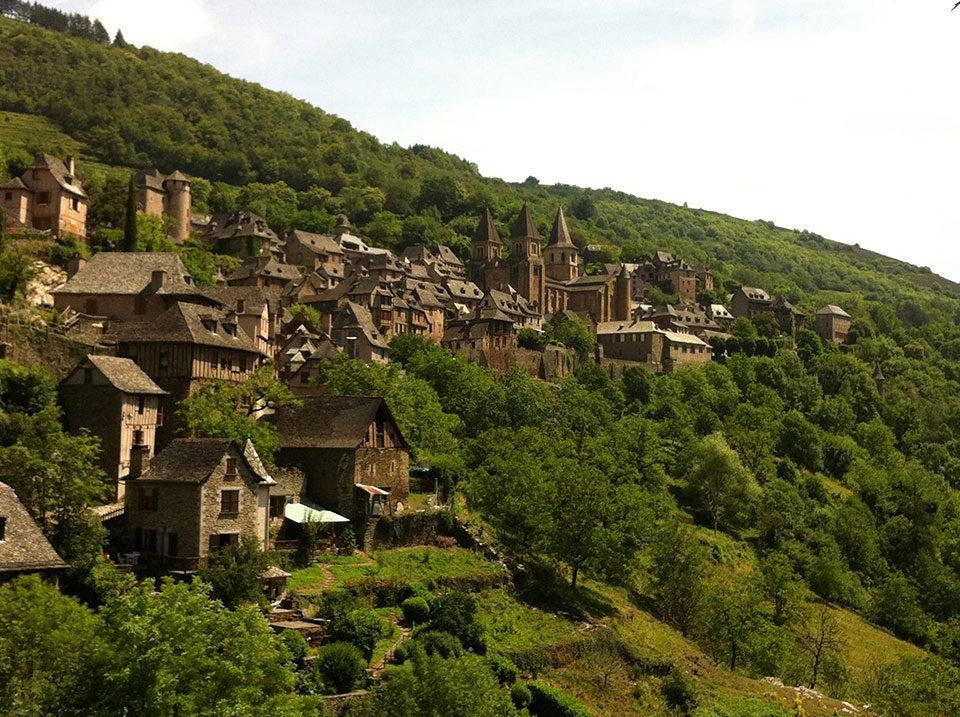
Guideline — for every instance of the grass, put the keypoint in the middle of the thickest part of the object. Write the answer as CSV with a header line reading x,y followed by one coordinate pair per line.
x,y
37,134
419,501
510,625
867,646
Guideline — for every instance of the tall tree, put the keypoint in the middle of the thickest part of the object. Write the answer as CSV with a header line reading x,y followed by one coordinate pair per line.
x,y
721,484
130,219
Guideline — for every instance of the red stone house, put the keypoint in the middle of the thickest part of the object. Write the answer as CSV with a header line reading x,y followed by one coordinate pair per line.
x,y
48,197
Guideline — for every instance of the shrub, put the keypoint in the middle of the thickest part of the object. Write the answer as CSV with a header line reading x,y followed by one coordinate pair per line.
x,y
440,643
336,604
504,669
340,667
296,645
362,629
347,541
678,692
520,694
547,701
456,613
416,610
404,652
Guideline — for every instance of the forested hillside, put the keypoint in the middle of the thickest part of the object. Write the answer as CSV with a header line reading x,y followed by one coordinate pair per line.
x,y
786,515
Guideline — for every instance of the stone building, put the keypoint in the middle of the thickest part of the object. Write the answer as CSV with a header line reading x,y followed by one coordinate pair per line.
x,y
356,460
487,337
257,312
47,197
119,404
23,547
266,273
196,496
317,253
183,348
241,234
644,342
128,286
166,197
352,327
749,301
832,324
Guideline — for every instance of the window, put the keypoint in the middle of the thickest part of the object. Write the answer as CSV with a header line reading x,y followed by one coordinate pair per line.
x,y
148,498
43,197
225,363
219,541
138,437
88,375
381,435
8,196
214,358
172,544
141,404
74,204
304,375
277,505
148,542
229,502
160,413
3,529
231,466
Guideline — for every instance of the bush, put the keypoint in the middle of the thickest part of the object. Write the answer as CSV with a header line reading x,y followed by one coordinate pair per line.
x,y
678,692
340,667
362,629
456,613
440,643
296,645
416,610
546,701
504,669
347,541
521,696
404,652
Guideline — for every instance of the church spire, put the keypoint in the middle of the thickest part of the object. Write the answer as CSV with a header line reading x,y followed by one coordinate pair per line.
x,y
560,235
486,230
525,226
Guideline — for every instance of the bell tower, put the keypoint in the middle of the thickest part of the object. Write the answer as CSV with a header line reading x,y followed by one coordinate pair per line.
x,y
562,257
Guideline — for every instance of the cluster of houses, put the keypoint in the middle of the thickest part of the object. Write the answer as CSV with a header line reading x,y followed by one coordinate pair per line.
x,y
159,336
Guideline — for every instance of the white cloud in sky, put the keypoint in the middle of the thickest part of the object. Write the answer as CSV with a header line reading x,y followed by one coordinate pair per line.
x,y
841,118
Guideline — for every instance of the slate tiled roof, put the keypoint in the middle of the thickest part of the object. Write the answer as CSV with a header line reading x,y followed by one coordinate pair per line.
x,y
560,234
124,375
187,324
24,548
755,294
15,183
446,255
317,243
833,310
265,266
486,231
192,460
252,297
112,272
240,224
59,171
330,421
524,226
352,315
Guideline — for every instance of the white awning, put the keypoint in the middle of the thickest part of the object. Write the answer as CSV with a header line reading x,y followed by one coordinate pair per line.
x,y
371,489
305,513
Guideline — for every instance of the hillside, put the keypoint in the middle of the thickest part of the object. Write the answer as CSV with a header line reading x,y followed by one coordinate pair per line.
x,y
837,494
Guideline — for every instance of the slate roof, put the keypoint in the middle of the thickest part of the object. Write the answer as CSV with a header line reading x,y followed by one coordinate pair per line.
x,y
240,224
15,183
352,315
150,178
317,243
644,327
524,226
113,272
124,375
59,171
833,310
330,421
25,548
755,294
265,266
446,255
486,230
187,324
254,299
560,234
192,460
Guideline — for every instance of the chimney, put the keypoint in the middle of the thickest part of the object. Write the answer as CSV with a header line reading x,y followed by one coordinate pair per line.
x,y
158,277
74,264
139,461
70,167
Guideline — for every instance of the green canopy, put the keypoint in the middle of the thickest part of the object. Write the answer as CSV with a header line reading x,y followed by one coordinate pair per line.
x,y
306,513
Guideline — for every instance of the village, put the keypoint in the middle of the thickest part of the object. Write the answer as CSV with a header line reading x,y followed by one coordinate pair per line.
x,y
158,337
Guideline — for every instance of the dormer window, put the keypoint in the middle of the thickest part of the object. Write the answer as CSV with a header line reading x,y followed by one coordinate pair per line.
x,y
210,325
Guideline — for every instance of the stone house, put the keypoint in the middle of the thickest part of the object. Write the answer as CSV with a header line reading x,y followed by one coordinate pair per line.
x,y
487,337
161,196
356,461
266,273
23,547
129,286
750,301
184,347
257,312
832,324
352,328
644,342
241,234
196,496
128,410
47,197
789,317
316,252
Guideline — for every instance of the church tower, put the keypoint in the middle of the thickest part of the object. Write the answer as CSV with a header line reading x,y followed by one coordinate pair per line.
x,y
525,262
485,267
562,257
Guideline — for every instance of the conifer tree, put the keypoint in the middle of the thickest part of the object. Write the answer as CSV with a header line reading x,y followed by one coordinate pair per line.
x,y
130,223
118,40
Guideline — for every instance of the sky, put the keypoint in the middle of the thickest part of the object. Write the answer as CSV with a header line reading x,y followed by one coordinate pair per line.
x,y
838,117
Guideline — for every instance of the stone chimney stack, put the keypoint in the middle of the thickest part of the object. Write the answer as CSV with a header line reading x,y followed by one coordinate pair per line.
x,y
139,460
75,264
71,168
158,277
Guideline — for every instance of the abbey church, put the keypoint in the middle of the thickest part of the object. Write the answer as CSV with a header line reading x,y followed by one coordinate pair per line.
x,y
551,279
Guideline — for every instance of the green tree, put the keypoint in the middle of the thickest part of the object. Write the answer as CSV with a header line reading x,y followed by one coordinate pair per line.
x,y
731,616
231,410
232,573
339,667
720,483
130,240
819,637
678,569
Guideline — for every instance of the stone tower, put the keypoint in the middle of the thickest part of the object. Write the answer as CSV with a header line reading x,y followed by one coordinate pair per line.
x,y
562,257
623,296
525,262
486,268
178,205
